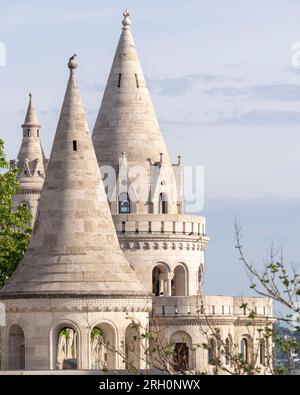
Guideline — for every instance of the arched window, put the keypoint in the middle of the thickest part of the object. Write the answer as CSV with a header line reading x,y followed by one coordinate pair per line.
x,y
124,203
179,282
160,285
67,349
245,349
16,348
183,350
200,277
24,204
103,345
163,204
227,351
212,351
262,352
132,348
181,357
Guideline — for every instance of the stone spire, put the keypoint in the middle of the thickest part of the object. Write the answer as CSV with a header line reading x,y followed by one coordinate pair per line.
x,y
127,122
74,249
31,158
31,163
31,117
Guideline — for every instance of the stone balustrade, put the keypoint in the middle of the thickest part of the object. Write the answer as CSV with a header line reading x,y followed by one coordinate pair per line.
x,y
154,224
218,306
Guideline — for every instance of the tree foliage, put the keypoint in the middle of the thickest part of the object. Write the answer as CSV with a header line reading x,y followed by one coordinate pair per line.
x,y
15,225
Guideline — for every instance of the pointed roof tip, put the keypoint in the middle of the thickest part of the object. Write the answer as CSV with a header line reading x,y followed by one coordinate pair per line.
x,y
31,117
126,22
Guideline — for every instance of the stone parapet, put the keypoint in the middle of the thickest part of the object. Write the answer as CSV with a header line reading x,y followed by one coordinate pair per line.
x,y
218,306
161,225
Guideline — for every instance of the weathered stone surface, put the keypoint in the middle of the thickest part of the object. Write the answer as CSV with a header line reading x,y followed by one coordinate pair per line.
x,y
30,162
127,124
72,253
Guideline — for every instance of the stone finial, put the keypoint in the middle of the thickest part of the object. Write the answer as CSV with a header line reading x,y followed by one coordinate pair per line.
x,y
178,160
126,22
72,62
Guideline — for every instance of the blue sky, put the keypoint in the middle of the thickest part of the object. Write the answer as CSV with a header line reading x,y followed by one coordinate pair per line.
x,y
226,94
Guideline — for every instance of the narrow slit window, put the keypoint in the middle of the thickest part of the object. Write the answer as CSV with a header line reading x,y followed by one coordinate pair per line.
x,y
119,81
137,81
38,133
74,145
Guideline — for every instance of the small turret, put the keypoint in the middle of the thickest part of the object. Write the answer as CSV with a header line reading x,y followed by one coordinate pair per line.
x,y
30,161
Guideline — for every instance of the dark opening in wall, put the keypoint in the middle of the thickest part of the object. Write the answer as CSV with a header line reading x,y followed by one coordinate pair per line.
x,y
74,145
119,82
137,81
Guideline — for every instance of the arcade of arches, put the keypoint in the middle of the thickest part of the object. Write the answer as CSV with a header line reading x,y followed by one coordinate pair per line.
x,y
167,283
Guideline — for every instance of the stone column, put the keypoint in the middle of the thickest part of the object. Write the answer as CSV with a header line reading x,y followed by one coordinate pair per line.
x,y
169,283
84,350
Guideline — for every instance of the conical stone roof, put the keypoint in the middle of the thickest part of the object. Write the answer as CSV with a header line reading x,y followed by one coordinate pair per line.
x,y
74,249
31,118
126,122
31,158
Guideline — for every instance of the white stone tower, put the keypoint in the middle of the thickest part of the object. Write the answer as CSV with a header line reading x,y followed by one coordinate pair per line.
x,y
31,162
74,288
165,247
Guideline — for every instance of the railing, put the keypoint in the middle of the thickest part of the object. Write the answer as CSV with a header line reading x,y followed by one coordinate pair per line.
x,y
227,306
160,224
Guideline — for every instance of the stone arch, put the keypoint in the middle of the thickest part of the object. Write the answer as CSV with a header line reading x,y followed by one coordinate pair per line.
x,y
24,203
228,345
246,347
65,345
212,351
200,277
132,347
262,352
103,345
183,351
160,279
16,347
180,280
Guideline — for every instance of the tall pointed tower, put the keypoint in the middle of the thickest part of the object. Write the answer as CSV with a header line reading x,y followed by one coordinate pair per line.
x,y
31,162
74,284
165,247
127,137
